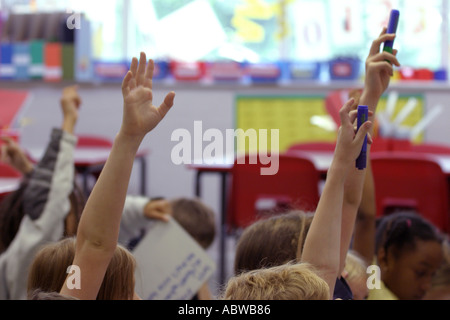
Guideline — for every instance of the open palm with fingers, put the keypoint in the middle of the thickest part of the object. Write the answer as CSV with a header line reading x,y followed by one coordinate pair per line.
x,y
140,115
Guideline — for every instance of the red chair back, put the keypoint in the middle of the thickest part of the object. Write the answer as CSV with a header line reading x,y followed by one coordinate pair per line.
x,y
253,196
6,171
431,148
93,141
413,181
382,144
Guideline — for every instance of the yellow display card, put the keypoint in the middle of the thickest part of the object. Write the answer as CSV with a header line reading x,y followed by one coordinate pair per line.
x,y
296,119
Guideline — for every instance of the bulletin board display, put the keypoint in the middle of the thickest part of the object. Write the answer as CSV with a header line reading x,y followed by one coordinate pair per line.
x,y
294,116
291,115
411,119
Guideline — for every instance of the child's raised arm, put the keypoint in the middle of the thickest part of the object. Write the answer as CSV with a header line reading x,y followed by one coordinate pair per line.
x,y
323,241
100,222
379,69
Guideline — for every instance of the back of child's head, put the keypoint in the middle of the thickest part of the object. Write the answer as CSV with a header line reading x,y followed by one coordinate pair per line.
x,y
11,214
48,271
355,273
196,218
272,241
400,230
290,281
13,209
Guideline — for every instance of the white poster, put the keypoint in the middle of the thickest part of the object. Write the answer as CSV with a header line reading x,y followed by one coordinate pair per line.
x,y
171,265
309,26
346,22
190,33
422,21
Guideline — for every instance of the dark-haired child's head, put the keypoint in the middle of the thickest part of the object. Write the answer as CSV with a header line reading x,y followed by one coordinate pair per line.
x,y
196,218
12,211
409,251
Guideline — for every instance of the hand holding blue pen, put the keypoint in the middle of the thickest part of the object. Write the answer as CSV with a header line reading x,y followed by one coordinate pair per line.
x,y
363,116
392,28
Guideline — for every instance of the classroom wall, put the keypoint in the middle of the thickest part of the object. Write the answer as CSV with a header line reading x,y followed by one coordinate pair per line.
x,y
101,114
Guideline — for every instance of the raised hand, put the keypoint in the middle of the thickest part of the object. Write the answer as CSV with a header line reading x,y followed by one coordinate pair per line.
x,y
379,67
70,103
140,115
12,154
349,143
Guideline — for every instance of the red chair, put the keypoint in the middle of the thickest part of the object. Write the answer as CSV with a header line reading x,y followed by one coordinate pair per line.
x,y
253,196
380,144
411,181
6,171
93,141
431,148
10,179
400,145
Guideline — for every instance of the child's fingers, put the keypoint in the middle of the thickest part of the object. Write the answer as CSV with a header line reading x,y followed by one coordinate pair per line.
x,y
134,66
126,83
383,31
149,74
162,216
384,66
362,132
140,75
167,104
386,56
369,138
345,110
354,113
376,44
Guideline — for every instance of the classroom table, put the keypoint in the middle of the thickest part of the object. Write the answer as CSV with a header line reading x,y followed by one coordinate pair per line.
x,y
321,159
222,169
89,160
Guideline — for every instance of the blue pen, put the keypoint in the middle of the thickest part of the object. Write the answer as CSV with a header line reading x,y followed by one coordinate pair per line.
x,y
392,28
363,115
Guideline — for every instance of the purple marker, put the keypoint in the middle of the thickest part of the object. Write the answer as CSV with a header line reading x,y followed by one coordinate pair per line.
x,y
363,115
392,28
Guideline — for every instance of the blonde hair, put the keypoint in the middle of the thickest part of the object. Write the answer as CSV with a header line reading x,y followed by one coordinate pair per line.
x,y
283,236
48,271
290,281
355,267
